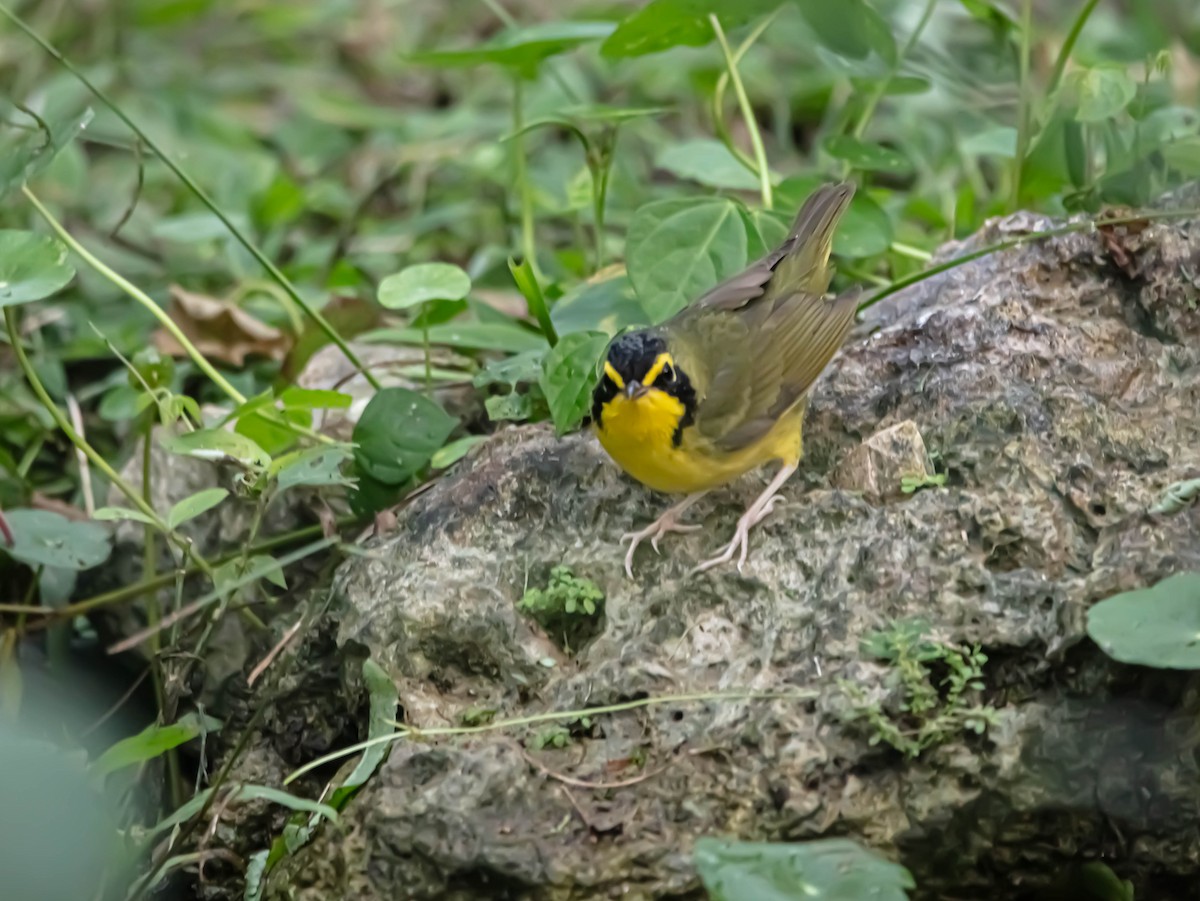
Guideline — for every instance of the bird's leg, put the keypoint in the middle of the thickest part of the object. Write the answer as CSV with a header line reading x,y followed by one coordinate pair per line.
x,y
668,522
755,513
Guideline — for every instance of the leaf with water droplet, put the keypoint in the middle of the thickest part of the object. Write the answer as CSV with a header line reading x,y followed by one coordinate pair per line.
x,y
33,151
32,267
1157,626
829,869
44,538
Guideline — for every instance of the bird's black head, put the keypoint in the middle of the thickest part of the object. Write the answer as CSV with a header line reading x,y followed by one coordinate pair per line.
x,y
636,364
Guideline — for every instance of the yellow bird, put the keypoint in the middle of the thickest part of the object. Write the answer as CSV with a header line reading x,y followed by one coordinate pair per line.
x,y
721,388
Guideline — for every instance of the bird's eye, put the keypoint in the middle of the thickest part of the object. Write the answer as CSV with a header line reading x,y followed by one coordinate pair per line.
x,y
668,372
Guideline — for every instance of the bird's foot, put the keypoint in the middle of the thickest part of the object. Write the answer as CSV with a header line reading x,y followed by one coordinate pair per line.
x,y
740,544
665,524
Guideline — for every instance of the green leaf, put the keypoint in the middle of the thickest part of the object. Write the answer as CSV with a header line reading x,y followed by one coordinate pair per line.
x,y
1183,156
383,698
603,305
568,373
708,162
507,337
514,406
422,283
1101,92
294,398
153,741
1157,626
217,445
455,451
312,466
398,433
765,230
32,267
849,28
43,538
662,24
867,156
834,869
21,160
865,229
191,507
115,514
522,49
1000,140
678,249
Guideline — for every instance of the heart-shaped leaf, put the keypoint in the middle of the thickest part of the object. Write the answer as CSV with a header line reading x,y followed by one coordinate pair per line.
x,y
835,869
421,283
43,538
398,433
678,249
605,304
32,267
708,162
1157,626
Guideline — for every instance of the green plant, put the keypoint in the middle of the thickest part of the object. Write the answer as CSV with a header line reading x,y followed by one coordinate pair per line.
x,y
922,710
909,484
567,608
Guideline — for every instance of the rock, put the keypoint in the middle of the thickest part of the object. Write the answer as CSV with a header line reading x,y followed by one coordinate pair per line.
x,y
1060,391
879,465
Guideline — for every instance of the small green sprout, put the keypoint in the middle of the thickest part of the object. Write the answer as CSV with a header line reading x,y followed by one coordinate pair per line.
x,y
909,484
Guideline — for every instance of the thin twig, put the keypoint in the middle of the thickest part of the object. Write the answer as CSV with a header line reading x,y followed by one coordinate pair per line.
x,y
594,786
274,652
85,472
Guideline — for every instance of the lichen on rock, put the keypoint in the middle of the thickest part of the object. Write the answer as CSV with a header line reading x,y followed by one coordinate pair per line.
x,y
1059,388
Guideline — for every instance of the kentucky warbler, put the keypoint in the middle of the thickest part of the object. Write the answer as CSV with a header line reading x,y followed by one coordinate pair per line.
x,y
721,388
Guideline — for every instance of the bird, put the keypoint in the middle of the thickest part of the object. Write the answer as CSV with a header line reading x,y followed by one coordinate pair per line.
x,y
721,388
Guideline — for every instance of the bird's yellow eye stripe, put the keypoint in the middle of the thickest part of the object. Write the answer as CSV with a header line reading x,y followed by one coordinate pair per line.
x,y
661,362
613,375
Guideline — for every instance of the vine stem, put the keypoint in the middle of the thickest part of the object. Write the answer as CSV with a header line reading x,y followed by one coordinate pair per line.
x,y
1023,122
64,425
739,89
723,82
272,270
882,85
1091,224
161,315
521,175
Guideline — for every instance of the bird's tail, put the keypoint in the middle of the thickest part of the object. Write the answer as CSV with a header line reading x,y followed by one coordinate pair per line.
x,y
805,265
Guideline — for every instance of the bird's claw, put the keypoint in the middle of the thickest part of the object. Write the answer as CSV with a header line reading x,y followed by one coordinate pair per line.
x,y
655,531
741,538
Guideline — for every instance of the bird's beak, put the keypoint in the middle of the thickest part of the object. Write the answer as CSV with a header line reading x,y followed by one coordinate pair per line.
x,y
634,390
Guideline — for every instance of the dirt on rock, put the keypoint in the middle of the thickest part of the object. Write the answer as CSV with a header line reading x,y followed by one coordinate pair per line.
x,y
1055,387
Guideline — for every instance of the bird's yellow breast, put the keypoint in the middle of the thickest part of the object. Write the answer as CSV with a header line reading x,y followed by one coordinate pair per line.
x,y
638,433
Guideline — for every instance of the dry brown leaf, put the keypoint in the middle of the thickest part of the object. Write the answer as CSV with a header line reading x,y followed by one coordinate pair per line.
x,y
220,330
